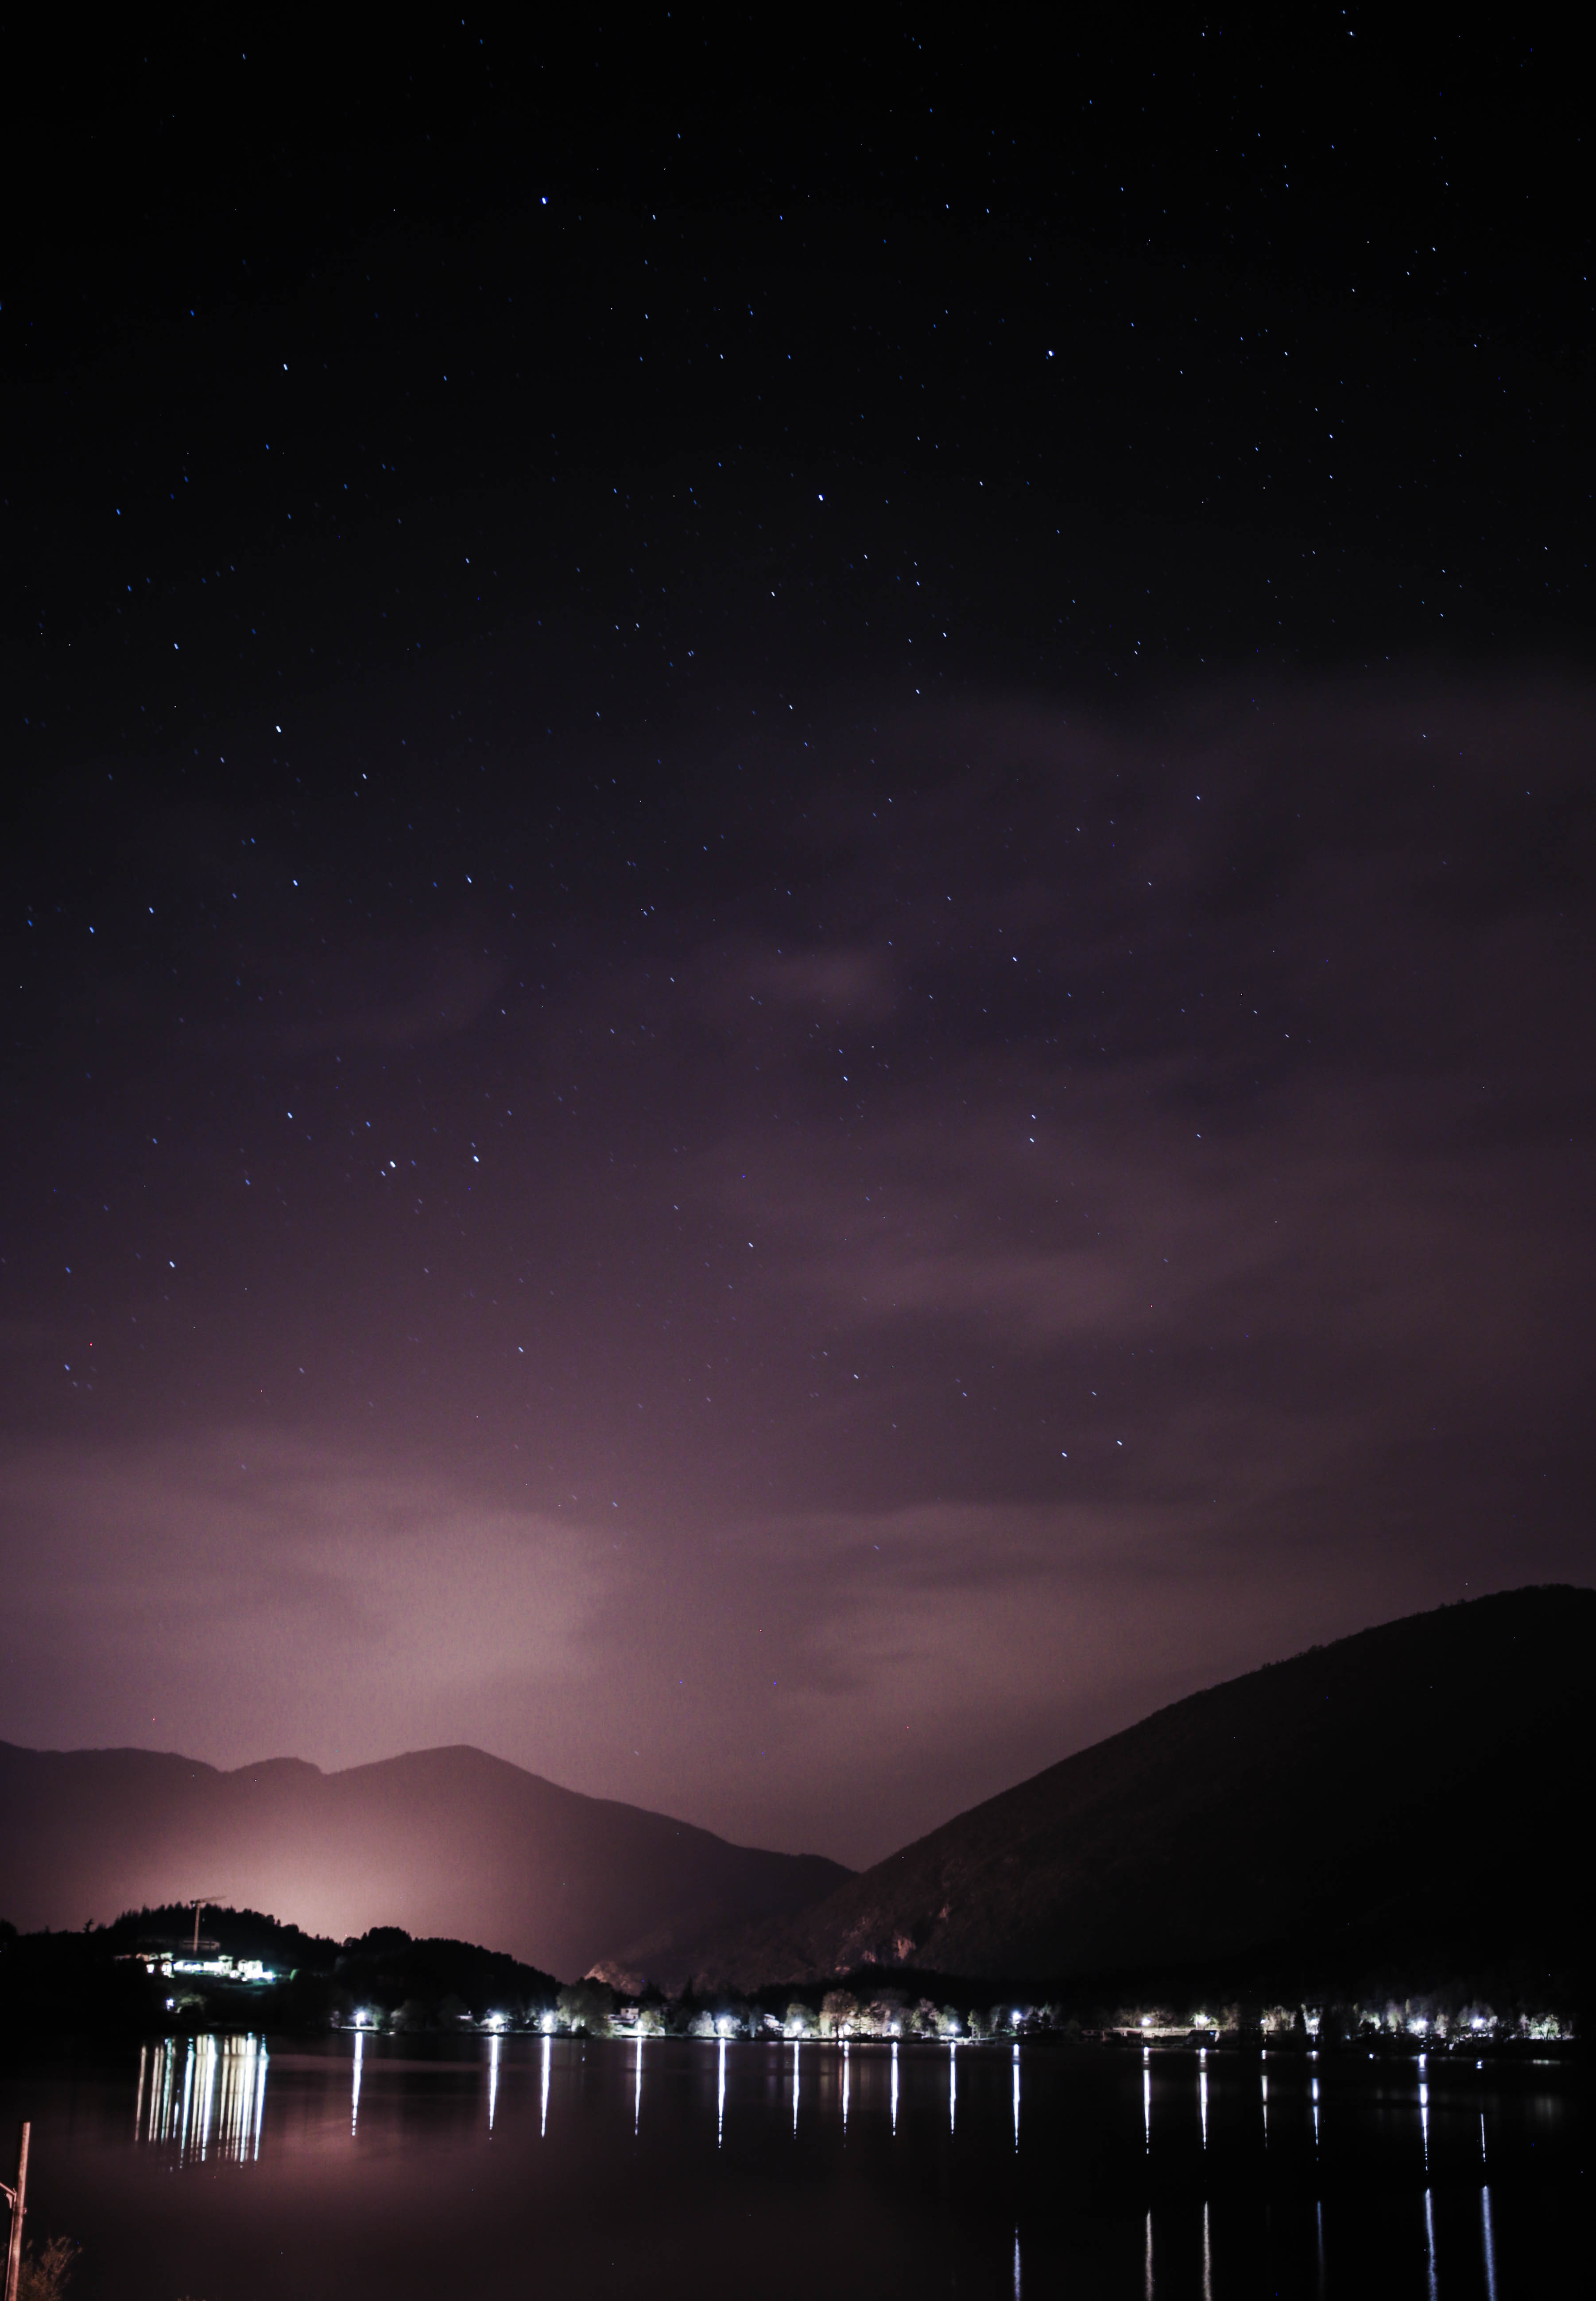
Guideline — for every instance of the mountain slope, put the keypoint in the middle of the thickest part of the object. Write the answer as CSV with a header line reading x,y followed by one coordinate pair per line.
x,y
1418,1788
442,1841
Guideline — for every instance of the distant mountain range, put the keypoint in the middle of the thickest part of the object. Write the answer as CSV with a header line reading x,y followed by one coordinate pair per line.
x,y
1418,1792
442,1841
1419,1796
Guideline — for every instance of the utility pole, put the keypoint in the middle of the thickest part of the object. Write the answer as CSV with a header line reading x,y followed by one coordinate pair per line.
x,y
17,2200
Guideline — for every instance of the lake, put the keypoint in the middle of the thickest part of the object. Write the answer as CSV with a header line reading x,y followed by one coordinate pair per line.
x,y
233,2168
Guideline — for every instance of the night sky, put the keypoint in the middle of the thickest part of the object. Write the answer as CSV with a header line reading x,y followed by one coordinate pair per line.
x,y
798,885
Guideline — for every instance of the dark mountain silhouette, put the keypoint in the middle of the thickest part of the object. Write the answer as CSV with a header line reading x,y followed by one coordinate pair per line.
x,y
1418,1792
441,1842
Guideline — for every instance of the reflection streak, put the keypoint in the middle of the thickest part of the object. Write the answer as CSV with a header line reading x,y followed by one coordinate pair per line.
x,y
492,2079
719,2100
1017,2102
845,2088
1488,2234
218,2103
548,2050
360,2047
895,2089
1319,2240
1208,2256
637,2096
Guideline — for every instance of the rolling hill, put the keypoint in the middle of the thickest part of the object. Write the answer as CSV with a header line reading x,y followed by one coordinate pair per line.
x,y
1420,1791
446,1842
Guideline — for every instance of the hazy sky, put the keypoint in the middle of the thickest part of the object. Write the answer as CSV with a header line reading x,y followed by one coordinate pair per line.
x,y
800,953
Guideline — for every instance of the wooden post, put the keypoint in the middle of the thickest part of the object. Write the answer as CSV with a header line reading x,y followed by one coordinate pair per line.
x,y
18,2206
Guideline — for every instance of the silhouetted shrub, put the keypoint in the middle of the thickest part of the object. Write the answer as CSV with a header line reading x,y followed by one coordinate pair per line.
x,y
45,2269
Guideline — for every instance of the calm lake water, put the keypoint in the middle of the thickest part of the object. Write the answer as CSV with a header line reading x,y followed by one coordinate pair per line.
x,y
241,2167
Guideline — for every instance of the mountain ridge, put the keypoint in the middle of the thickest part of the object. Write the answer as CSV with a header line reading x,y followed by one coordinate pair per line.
x,y
449,1842
1351,1794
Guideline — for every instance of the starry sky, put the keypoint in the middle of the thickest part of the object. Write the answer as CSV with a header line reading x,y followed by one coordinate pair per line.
x,y
797,886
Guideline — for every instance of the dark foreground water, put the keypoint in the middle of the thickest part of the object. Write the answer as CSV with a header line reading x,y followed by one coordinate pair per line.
x,y
229,2169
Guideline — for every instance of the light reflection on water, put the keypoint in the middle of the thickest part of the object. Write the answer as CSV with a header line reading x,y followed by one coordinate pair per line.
x,y
1191,2192
1202,2092
206,2094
